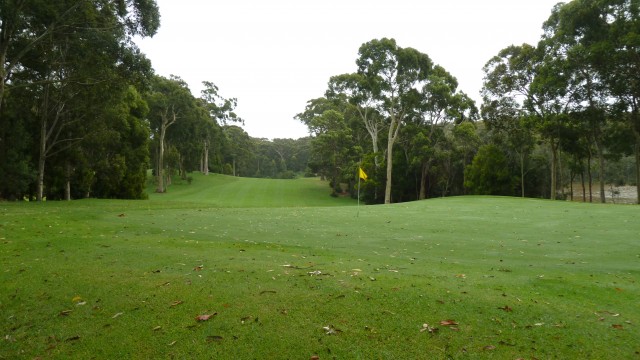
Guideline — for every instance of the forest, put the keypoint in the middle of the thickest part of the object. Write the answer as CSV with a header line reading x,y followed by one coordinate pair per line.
x,y
82,113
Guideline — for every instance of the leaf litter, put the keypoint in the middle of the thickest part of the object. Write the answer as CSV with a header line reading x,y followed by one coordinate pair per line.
x,y
205,317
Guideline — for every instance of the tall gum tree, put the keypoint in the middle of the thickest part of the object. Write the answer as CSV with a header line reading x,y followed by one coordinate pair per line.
x,y
536,87
168,100
221,113
607,32
393,75
353,86
25,23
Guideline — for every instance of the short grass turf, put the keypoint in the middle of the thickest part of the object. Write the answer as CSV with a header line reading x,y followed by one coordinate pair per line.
x,y
454,278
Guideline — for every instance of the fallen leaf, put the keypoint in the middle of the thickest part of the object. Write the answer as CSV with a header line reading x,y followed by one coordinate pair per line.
x,y
448,322
198,268
315,357
76,299
506,308
317,272
157,328
176,303
116,315
65,312
617,326
205,317
214,338
489,347
172,343
81,303
426,327
73,338
461,276
330,330
121,215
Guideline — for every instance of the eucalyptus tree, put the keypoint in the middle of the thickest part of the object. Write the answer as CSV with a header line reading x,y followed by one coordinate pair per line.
x,y
63,52
503,120
239,150
354,87
605,36
333,143
221,113
26,23
535,84
590,94
393,75
169,100
440,103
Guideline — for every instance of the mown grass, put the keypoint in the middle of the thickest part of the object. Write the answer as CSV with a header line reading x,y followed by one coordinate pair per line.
x,y
521,278
228,191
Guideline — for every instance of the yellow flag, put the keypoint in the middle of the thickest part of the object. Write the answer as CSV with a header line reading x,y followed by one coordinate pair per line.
x,y
362,174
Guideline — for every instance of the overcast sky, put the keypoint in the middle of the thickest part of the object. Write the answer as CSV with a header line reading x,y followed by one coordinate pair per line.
x,y
275,55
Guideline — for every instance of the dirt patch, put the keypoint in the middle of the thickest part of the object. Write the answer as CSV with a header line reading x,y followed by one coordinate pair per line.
x,y
613,194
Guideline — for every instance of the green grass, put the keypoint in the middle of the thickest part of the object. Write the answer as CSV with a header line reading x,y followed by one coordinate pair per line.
x,y
227,191
521,278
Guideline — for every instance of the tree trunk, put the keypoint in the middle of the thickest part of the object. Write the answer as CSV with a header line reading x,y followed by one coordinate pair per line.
x,y
522,173
423,181
67,188
394,129
554,165
584,189
166,122
42,156
205,161
603,198
572,176
590,175
160,173
637,151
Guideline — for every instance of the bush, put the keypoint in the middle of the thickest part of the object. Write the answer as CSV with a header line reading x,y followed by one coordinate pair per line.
x,y
489,174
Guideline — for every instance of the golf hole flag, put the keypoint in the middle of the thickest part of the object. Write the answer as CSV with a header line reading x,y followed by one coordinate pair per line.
x,y
362,174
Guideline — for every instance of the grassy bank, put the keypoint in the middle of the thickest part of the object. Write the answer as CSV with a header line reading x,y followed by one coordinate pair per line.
x,y
467,277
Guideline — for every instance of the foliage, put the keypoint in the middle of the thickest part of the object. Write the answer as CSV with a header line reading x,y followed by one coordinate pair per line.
x,y
65,64
489,174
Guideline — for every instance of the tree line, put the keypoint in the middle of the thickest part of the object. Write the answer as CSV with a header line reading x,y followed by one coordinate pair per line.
x,y
563,111
82,113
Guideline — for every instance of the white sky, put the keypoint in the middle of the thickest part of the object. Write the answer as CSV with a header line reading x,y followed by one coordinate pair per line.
x,y
275,55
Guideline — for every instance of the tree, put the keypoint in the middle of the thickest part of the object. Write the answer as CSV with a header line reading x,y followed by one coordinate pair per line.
x,y
168,100
354,87
238,149
221,113
535,84
488,174
440,103
603,35
393,76
26,23
503,119
60,52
